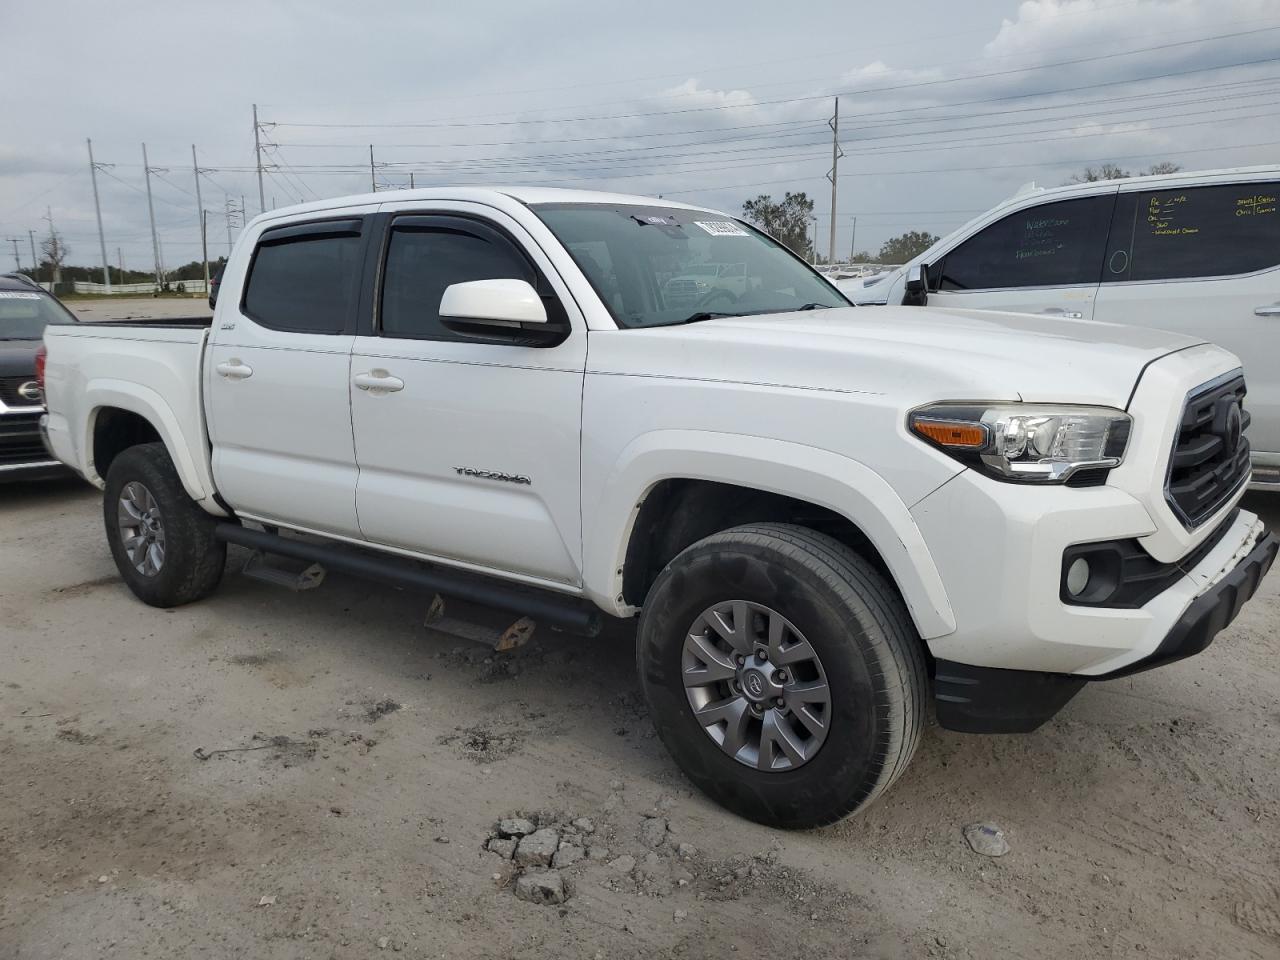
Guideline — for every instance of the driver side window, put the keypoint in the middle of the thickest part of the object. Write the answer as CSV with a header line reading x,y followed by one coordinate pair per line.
x,y
1050,245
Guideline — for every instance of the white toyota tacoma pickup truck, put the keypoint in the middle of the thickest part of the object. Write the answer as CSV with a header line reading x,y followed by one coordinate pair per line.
x,y
823,516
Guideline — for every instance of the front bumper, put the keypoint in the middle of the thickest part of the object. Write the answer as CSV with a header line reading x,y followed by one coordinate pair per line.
x,y
991,700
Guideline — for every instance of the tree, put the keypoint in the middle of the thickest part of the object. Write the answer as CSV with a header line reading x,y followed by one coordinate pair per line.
x,y
903,248
786,221
1111,171
55,251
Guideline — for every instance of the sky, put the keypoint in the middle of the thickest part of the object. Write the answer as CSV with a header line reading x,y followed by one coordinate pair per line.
x,y
946,108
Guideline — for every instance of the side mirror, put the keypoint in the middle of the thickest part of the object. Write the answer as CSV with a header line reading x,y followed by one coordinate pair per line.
x,y
501,301
917,291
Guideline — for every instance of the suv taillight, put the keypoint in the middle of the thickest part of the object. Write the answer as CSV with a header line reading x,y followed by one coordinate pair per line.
x,y
42,354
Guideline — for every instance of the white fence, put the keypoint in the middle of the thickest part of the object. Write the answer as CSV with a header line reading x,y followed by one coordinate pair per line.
x,y
188,286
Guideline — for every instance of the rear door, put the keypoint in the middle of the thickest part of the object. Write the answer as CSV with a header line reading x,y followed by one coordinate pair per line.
x,y
473,453
1044,259
277,377
1205,261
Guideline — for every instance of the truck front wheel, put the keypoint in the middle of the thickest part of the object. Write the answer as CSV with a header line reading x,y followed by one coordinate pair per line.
x,y
783,673
162,542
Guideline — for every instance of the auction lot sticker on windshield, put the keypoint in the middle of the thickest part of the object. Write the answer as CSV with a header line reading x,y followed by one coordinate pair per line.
x,y
17,295
721,228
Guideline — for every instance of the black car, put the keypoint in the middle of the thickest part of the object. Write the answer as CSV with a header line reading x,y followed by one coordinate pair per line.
x,y
25,310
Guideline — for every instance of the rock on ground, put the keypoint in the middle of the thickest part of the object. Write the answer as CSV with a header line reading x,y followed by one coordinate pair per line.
x,y
986,839
515,827
567,854
502,847
546,888
537,849
653,832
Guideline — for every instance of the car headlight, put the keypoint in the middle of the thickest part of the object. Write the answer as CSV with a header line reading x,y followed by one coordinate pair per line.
x,y
1027,442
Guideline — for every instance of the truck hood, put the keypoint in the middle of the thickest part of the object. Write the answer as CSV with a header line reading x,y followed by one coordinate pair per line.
x,y
18,358
919,354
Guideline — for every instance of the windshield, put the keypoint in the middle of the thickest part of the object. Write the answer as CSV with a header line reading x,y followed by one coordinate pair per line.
x,y
655,266
25,314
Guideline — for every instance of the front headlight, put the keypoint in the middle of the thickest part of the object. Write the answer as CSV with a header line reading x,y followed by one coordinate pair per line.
x,y
1031,442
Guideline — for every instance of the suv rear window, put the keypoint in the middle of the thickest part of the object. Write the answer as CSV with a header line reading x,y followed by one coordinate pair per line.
x,y
1051,245
1195,232
303,278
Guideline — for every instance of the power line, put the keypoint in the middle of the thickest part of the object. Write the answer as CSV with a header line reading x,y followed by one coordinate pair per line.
x,y
862,91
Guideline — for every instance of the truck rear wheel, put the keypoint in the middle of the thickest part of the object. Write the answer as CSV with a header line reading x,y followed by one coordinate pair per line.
x,y
163,543
783,674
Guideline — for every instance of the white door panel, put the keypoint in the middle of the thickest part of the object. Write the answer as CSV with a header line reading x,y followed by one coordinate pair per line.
x,y
277,390
1223,311
282,445
460,410
474,453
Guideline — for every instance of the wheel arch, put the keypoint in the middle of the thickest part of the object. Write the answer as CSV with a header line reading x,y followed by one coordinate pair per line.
x,y
670,485
123,414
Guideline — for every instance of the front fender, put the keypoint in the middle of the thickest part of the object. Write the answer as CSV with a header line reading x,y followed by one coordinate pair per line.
x,y
193,469
814,475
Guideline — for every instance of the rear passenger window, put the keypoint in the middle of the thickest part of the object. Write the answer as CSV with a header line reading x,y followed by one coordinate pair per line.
x,y
303,278
1052,245
426,254
1195,232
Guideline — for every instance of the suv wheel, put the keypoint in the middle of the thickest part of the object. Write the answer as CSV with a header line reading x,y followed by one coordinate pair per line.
x,y
783,673
162,542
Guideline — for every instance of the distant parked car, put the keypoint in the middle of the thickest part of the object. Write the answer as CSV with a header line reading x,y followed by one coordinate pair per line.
x,y
1195,253
25,310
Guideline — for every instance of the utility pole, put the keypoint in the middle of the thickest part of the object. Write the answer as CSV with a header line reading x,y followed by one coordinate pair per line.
x,y
35,261
54,269
410,179
853,241
836,154
257,150
120,258
227,208
97,209
204,245
200,206
372,180
16,259
151,211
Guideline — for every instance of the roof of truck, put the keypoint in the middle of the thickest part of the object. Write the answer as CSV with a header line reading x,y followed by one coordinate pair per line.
x,y
527,194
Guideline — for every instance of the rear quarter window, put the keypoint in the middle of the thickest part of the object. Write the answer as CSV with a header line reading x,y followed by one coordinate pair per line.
x,y
305,282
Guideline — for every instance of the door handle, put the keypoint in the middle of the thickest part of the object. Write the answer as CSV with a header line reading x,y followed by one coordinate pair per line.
x,y
378,381
1271,310
233,369
1059,312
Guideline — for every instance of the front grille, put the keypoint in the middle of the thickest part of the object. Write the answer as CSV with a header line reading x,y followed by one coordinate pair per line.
x,y
20,439
9,394
1210,459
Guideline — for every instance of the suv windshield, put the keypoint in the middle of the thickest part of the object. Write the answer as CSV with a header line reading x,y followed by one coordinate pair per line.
x,y
655,266
24,314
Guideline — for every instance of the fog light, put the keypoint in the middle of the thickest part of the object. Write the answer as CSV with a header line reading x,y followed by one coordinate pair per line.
x,y
1077,576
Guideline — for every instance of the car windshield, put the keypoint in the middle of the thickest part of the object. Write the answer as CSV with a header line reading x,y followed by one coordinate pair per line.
x,y
24,314
656,266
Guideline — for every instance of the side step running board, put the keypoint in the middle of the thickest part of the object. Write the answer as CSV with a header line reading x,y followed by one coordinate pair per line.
x,y
542,606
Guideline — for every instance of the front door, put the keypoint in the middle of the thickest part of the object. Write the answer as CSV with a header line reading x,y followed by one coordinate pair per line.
x,y
277,378
467,439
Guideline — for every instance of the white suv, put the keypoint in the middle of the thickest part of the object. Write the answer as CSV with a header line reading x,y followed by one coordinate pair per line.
x,y
1196,253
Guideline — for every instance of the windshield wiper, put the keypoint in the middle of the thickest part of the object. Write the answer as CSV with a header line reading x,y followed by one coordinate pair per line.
x,y
814,306
707,315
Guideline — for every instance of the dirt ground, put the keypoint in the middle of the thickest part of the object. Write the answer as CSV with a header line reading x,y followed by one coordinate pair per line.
x,y
1143,822
139,308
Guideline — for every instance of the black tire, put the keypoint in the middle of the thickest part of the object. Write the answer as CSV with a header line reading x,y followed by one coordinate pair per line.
x,y
868,647
193,559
